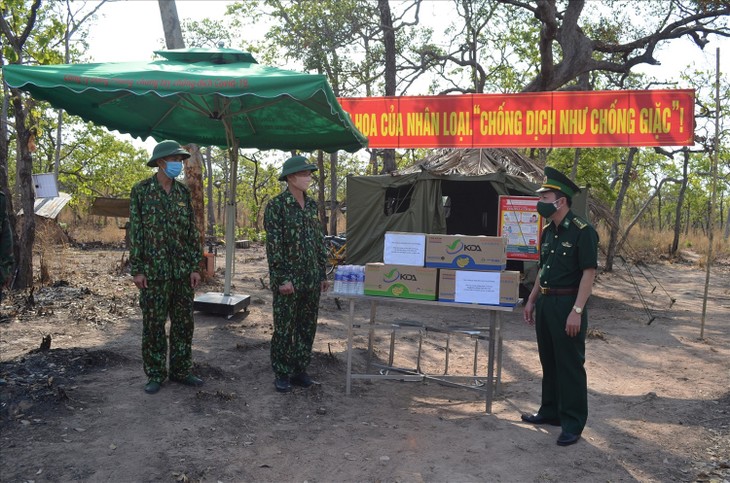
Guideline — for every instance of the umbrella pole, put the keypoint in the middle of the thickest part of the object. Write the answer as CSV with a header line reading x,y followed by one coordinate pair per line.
x,y
226,303
231,218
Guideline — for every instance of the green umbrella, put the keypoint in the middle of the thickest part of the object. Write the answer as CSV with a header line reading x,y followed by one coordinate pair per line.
x,y
220,97
201,96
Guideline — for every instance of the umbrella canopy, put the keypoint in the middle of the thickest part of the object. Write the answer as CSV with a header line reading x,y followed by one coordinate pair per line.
x,y
212,97
204,96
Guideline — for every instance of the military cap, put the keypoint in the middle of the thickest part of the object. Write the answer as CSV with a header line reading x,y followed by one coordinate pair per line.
x,y
294,165
557,181
164,149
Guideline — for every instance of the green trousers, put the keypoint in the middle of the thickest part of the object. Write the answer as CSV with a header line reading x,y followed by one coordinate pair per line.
x,y
163,298
295,324
564,384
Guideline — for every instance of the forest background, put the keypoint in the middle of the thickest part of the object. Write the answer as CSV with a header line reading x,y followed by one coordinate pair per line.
x,y
657,198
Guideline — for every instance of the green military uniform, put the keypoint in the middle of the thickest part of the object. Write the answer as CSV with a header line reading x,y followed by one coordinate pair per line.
x,y
164,246
296,253
565,251
6,244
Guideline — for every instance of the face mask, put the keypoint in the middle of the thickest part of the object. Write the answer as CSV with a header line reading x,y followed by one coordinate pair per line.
x,y
546,210
173,168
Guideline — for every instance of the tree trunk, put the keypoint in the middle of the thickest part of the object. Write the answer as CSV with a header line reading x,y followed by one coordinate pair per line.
x,y
617,208
321,208
171,24
680,201
193,165
334,204
386,23
24,179
209,191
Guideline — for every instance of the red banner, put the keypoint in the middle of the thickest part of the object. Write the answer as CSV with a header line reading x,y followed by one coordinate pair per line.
x,y
542,119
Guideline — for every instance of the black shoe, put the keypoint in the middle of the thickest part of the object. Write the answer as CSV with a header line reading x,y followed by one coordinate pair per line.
x,y
282,384
538,419
189,380
152,387
566,438
302,380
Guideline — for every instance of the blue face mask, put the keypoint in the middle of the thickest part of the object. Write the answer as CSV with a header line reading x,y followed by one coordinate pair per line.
x,y
173,168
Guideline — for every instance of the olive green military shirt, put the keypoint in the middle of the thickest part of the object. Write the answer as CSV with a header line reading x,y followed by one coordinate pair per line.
x,y
294,242
6,241
164,243
566,250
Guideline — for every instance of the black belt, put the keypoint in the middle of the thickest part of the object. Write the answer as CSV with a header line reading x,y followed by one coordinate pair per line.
x,y
559,291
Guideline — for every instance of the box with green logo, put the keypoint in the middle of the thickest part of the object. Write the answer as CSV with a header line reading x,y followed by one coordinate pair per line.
x,y
466,252
403,281
479,287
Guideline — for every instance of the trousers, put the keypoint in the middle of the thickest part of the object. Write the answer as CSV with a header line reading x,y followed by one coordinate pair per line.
x,y
295,325
564,382
163,298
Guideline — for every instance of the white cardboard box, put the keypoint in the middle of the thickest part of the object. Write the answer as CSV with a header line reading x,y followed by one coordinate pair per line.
x,y
402,248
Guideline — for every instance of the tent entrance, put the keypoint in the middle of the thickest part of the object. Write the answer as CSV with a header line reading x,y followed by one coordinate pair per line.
x,y
470,207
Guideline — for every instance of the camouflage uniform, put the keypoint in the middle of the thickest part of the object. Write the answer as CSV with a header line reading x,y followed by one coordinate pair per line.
x,y
565,251
6,244
296,253
164,247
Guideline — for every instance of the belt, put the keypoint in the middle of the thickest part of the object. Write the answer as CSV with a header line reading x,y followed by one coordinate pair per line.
x,y
559,291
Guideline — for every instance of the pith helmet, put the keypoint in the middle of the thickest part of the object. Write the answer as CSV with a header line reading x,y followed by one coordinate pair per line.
x,y
164,149
557,181
294,165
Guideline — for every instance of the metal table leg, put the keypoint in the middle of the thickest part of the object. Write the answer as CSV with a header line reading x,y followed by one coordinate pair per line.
x,y
490,360
348,381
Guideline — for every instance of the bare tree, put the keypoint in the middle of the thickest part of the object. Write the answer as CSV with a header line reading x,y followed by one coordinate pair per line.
x,y
24,166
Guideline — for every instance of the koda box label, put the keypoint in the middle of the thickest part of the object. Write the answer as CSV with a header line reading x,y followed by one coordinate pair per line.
x,y
466,252
403,281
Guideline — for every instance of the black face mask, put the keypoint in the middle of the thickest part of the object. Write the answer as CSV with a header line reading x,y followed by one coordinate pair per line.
x,y
546,210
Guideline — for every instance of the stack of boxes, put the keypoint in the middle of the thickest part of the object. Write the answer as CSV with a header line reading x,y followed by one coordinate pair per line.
x,y
449,268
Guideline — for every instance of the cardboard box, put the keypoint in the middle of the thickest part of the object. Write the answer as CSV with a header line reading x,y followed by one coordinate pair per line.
x,y
402,248
402,281
466,252
479,287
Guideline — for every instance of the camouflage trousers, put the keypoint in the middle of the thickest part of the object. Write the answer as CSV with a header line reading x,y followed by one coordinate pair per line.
x,y
160,299
295,324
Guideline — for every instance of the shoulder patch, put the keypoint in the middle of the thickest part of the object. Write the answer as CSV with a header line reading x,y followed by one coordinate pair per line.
x,y
579,223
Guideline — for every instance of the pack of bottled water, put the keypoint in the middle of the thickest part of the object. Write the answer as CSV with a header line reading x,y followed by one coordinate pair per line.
x,y
350,279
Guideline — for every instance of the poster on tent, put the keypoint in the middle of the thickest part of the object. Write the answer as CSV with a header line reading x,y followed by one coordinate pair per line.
x,y
521,225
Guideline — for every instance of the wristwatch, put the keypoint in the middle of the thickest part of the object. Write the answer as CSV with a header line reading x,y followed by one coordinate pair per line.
x,y
578,310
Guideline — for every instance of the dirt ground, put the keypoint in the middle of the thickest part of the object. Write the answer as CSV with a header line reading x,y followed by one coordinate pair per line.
x,y
659,397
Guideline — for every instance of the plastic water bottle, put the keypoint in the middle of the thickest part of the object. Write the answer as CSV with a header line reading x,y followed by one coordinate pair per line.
x,y
338,280
360,285
351,279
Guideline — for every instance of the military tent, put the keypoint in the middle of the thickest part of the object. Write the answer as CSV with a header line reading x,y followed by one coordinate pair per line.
x,y
453,191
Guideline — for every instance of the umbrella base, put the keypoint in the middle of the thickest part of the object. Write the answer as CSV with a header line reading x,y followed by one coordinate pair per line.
x,y
220,304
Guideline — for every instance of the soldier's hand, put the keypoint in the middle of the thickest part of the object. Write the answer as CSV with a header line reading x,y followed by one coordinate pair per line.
x,y
194,279
140,280
286,289
324,285
572,326
529,313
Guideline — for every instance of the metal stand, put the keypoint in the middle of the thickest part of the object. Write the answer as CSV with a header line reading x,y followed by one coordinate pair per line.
x,y
488,383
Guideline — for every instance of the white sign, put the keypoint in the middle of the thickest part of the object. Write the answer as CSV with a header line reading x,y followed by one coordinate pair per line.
x,y
45,185
477,287
404,249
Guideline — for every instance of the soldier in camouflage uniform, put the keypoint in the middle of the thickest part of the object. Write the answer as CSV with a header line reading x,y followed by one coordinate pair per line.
x,y
297,255
165,257
6,246
556,305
